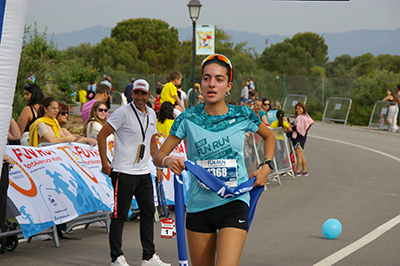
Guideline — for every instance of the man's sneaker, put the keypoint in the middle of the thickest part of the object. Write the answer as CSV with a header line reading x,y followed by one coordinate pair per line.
x,y
154,261
304,173
297,174
120,261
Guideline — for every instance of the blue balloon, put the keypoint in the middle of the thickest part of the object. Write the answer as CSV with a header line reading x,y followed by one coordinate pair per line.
x,y
332,228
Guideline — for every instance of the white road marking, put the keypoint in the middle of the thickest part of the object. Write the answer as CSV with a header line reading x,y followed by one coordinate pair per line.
x,y
365,240
358,146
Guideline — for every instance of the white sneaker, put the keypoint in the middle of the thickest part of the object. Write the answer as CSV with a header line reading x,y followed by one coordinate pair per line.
x,y
154,261
120,261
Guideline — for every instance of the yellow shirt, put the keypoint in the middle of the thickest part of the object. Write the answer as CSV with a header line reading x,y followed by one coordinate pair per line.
x,y
166,127
168,93
275,125
82,96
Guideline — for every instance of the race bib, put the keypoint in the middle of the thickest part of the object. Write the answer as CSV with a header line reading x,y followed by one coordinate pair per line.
x,y
224,169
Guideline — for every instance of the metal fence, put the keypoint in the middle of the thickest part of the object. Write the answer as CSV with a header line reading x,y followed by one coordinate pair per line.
x,y
290,102
316,89
337,110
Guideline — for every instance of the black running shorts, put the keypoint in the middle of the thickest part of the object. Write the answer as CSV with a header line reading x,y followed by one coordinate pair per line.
x,y
233,214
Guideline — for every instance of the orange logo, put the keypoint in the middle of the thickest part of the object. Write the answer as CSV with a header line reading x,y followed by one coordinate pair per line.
x,y
32,192
64,149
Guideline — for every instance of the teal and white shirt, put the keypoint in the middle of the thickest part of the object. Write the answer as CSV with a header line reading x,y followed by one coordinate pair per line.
x,y
216,143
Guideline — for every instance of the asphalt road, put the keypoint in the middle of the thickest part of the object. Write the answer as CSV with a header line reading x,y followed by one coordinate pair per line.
x,y
354,177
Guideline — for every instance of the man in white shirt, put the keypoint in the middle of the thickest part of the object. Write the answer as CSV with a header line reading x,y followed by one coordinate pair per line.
x,y
134,127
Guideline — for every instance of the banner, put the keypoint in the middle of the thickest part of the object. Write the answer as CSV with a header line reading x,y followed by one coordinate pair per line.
x,y
12,23
55,184
205,39
178,152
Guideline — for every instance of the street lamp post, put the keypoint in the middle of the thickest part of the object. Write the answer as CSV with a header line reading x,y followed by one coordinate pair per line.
x,y
194,12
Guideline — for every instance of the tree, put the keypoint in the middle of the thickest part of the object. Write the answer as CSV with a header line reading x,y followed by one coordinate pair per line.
x,y
156,43
313,44
285,58
38,57
54,72
83,51
116,55
340,67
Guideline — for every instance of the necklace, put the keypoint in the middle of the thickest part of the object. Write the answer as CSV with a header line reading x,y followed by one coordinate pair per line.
x,y
215,111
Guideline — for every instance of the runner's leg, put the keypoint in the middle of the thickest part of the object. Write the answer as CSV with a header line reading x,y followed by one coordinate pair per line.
x,y
201,248
230,242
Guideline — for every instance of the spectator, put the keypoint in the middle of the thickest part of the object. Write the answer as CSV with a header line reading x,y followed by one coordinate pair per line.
x,y
266,105
271,114
251,85
165,118
157,99
102,94
34,97
258,110
198,98
107,81
398,97
244,96
253,95
170,93
96,120
46,127
281,122
134,128
82,97
62,119
393,110
302,124
91,90
128,89
182,96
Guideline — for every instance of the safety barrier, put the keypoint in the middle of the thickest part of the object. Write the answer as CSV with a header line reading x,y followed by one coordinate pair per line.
x,y
290,102
381,114
337,110
284,158
60,177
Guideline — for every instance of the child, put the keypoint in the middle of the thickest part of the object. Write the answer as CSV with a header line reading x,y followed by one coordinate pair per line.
x,y
170,93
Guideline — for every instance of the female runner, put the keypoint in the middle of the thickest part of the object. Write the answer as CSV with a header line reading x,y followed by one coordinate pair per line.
x,y
216,228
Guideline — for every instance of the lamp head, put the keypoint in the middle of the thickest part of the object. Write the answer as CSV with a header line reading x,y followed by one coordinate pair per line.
x,y
194,9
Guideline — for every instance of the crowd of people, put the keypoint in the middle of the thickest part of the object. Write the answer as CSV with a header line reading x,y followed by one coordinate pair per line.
x,y
200,115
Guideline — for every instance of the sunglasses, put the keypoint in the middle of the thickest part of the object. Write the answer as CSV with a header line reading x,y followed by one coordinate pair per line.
x,y
265,103
102,110
219,57
64,112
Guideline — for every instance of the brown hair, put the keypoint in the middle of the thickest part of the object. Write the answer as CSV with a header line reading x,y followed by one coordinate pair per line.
x,y
93,117
175,75
45,104
302,106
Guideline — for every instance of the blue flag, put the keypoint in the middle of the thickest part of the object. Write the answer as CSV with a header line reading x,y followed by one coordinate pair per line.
x,y
218,187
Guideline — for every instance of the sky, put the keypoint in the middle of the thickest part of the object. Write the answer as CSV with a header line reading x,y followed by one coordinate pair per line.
x,y
262,17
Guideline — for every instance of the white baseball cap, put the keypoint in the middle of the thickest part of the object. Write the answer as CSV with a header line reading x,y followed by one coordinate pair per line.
x,y
141,85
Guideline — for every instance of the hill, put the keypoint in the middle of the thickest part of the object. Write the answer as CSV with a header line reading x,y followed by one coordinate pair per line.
x,y
354,43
